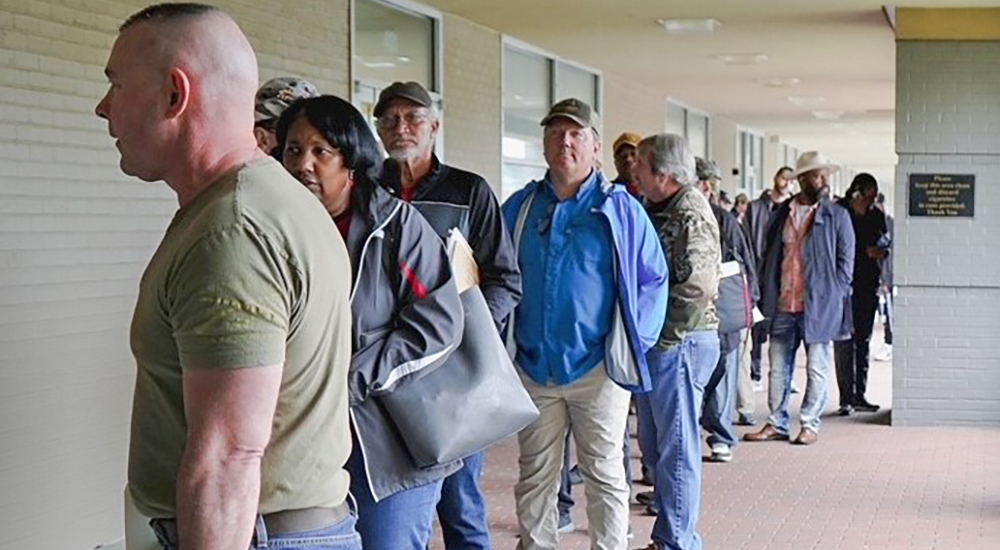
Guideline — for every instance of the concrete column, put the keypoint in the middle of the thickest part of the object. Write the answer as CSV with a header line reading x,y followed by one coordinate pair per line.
x,y
947,341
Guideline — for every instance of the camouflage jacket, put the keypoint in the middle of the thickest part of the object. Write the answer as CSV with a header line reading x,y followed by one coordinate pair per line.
x,y
690,238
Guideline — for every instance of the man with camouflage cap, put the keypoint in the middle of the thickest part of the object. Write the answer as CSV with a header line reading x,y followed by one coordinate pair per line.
x,y
688,349
272,99
594,282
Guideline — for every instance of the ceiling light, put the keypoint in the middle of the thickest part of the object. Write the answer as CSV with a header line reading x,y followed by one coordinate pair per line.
x,y
806,101
379,64
689,26
742,58
828,115
778,82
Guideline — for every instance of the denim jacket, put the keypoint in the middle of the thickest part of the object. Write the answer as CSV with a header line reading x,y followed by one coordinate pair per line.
x,y
828,257
641,276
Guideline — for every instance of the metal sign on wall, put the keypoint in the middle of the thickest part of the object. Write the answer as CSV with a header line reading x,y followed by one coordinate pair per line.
x,y
943,195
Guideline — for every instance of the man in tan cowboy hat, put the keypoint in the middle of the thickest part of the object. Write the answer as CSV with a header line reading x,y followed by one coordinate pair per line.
x,y
808,265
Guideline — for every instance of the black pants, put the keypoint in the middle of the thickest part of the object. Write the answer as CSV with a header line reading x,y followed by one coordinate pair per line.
x,y
851,356
759,335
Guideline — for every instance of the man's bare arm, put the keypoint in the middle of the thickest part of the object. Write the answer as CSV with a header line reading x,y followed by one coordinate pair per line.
x,y
229,413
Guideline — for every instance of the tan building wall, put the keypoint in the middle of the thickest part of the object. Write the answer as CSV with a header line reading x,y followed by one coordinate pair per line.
x,y
472,98
629,108
75,235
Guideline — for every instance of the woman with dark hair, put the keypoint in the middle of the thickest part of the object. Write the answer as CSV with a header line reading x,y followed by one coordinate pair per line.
x,y
871,246
407,316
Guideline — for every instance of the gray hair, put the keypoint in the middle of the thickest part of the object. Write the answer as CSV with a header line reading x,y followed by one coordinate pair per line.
x,y
669,155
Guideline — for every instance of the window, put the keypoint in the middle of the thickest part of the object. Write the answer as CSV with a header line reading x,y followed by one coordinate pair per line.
x,y
750,150
690,124
533,81
394,41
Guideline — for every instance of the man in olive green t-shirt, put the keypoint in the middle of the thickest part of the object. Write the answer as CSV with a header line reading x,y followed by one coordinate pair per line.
x,y
241,332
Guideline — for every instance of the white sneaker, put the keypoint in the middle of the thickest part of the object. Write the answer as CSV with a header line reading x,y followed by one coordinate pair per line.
x,y
757,385
884,354
795,387
721,453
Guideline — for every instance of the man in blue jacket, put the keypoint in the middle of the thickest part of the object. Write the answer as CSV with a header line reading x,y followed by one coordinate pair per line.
x,y
595,285
805,284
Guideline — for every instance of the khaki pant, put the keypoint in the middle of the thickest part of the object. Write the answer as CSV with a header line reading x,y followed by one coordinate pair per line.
x,y
745,404
595,410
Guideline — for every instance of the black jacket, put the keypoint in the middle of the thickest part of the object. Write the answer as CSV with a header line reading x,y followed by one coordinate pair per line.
x,y
407,319
756,221
449,197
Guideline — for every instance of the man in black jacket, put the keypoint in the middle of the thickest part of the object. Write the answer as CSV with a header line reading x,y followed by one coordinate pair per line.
x,y
756,221
408,123
720,393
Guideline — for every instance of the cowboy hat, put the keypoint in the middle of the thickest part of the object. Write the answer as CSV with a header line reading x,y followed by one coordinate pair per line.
x,y
812,160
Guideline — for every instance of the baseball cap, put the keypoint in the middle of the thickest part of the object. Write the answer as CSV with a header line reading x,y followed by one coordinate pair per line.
x,y
411,91
707,170
575,110
627,138
278,93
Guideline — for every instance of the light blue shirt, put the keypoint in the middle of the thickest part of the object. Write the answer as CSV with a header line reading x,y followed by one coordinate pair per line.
x,y
567,269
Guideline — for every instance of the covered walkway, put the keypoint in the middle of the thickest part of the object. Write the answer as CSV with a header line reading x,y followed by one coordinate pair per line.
x,y
863,486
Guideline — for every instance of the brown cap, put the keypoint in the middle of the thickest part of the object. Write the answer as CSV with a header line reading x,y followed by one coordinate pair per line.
x,y
628,138
575,110
411,91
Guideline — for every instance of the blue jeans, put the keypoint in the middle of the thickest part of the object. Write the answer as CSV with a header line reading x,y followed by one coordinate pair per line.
x,y
787,332
462,509
340,536
720,400
401,521
679,376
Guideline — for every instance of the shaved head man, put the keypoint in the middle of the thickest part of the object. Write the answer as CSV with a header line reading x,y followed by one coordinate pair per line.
x,y
241,331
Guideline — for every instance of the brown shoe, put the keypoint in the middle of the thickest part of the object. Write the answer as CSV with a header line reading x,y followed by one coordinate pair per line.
x,y
806,437
653,546
767,433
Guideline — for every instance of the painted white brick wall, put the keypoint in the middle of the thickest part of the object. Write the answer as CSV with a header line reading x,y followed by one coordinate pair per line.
x,y
472,98
75,235
947,361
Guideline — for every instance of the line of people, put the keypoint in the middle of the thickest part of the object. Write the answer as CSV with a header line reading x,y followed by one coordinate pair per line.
x,y
285,301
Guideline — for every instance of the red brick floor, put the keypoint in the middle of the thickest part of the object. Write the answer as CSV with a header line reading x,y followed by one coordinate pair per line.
x,y
865,485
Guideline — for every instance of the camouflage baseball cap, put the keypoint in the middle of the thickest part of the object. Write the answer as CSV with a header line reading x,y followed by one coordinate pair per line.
x,y
278,93
707,170
575,110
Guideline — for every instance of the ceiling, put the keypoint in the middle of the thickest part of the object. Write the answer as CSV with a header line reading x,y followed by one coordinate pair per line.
x,y
842,52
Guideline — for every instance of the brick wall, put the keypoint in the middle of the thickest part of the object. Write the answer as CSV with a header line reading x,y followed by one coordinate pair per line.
x,y
74,236
947,363
472,98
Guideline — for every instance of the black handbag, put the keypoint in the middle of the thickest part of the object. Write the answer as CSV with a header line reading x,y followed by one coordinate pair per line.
x,y
470,402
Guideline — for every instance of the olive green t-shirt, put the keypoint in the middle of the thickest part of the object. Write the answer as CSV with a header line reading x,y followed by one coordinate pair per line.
x,y
252,273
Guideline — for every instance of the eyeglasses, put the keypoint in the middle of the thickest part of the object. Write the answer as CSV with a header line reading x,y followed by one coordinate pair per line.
x,y
411,120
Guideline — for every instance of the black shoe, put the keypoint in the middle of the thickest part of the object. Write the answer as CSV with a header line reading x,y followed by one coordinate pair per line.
x,y
645,498
862,405
652,510
745,420
845,410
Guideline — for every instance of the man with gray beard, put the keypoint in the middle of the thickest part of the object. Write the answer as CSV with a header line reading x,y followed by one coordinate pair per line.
x,y
408,123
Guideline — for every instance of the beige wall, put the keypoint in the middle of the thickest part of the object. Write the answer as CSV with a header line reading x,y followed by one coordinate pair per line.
x,y
724,132
75,235
629,108
472,98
